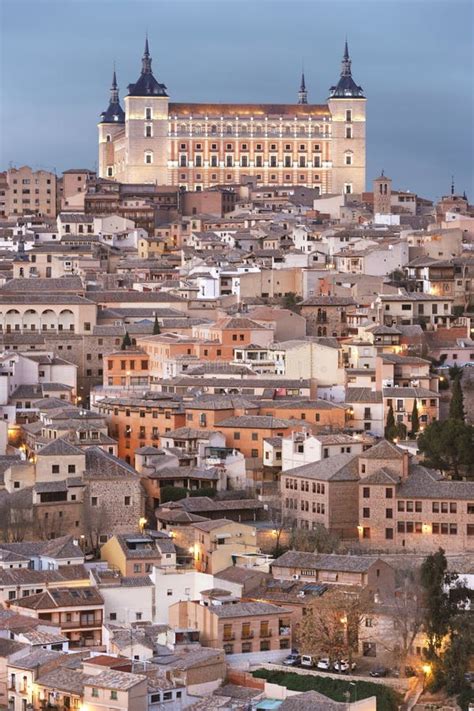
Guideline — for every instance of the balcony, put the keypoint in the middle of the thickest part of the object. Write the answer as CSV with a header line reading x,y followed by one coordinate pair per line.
x,y
228,638
247,635
78,625
265,633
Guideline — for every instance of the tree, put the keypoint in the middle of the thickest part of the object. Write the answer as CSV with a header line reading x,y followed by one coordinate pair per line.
x,y
448,446
330,627
415,420
316,540
127,341
96,520
407,616
390,427
456,406
281,521
457,653
173,493
438,605
16,518
290,302
156,327
448,630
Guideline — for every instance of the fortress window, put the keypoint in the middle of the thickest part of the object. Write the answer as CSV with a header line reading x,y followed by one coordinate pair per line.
x,y
273,161
229,161
302,147
183,161
348,158
273,147
198,161
148,114
244,162
213,130
317,147
243,147
348,188
148,131
228,129
198,146
348,131
148,157
110,171
258,161
213,161
317,161
108,138
349,115
287,129
287,161
302,162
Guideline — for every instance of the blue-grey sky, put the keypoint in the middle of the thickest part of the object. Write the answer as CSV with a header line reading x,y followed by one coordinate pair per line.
x,y
414,59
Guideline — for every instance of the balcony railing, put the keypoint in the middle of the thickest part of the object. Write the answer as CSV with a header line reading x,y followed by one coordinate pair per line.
x,y
77,624
228,637
247,635
266,633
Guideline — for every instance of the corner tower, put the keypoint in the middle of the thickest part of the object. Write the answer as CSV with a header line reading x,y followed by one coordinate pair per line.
x,y
347,106
111,124
146,133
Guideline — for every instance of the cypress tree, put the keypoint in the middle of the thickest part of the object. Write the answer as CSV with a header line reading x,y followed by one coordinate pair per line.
x,y
156,327
390,429
127,341
415,420
456,406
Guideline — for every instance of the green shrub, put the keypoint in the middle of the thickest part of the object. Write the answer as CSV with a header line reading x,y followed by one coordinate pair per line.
x,y
336,689
173,493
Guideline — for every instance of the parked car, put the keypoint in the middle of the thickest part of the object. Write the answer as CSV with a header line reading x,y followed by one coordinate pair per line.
x,y
324,664
379,671
409,671
292,660
307,660
343,665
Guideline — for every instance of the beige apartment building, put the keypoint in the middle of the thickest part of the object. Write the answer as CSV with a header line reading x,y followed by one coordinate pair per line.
x,y
28,192
198,145
236,627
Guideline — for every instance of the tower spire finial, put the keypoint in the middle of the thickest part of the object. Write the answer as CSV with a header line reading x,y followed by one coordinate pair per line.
x,y
346,61
452,185
114,94
302,93
146,59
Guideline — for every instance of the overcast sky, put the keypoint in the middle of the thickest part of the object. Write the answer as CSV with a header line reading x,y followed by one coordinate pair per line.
x,y
414,59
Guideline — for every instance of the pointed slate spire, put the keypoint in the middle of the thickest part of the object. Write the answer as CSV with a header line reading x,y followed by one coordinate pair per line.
x,y
114,113
346,62
302,94
346,86
114,94
146,59
146,85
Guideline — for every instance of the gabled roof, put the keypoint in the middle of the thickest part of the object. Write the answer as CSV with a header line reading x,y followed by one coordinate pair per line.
x,y
59,448
383,450
340,467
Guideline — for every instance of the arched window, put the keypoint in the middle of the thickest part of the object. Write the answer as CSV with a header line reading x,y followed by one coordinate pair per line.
x,y
228,129
198,129
213,129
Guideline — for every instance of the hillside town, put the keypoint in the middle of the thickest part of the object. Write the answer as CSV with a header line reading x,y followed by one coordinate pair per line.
x,y
224,414
236,399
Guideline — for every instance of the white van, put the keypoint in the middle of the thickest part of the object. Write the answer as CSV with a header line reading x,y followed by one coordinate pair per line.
x,y
307,660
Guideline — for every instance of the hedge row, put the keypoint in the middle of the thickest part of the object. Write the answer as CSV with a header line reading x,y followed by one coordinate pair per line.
x,y
387,698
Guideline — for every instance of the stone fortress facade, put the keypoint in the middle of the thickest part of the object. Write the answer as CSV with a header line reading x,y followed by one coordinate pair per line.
x,y
196,146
